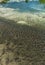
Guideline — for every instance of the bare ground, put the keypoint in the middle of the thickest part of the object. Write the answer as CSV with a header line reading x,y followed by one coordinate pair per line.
x,y
21,44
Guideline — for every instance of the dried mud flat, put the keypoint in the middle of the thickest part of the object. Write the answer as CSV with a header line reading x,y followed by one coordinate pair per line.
x,y
21,44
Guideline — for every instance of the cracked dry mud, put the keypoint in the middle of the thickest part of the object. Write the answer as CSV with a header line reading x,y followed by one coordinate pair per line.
x,y
21,44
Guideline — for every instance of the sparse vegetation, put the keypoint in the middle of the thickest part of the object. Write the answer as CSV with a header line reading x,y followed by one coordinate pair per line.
x,y
4,1
42,1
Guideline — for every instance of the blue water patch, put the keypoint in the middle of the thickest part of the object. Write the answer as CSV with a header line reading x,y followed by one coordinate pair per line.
x,y
33,6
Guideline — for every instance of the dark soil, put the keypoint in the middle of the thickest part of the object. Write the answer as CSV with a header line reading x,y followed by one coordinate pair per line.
x,y
21,44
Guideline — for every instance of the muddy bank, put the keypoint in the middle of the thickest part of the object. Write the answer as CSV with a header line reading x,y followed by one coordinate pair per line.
x,y
21,44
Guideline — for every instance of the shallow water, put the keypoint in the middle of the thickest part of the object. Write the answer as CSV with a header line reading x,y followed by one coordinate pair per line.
x,y
33,6
21,9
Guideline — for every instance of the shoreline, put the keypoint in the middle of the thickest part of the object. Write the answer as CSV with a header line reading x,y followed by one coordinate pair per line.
x,y
31,19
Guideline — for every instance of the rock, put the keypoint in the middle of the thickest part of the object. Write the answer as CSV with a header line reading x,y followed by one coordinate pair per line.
x,y
21,22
